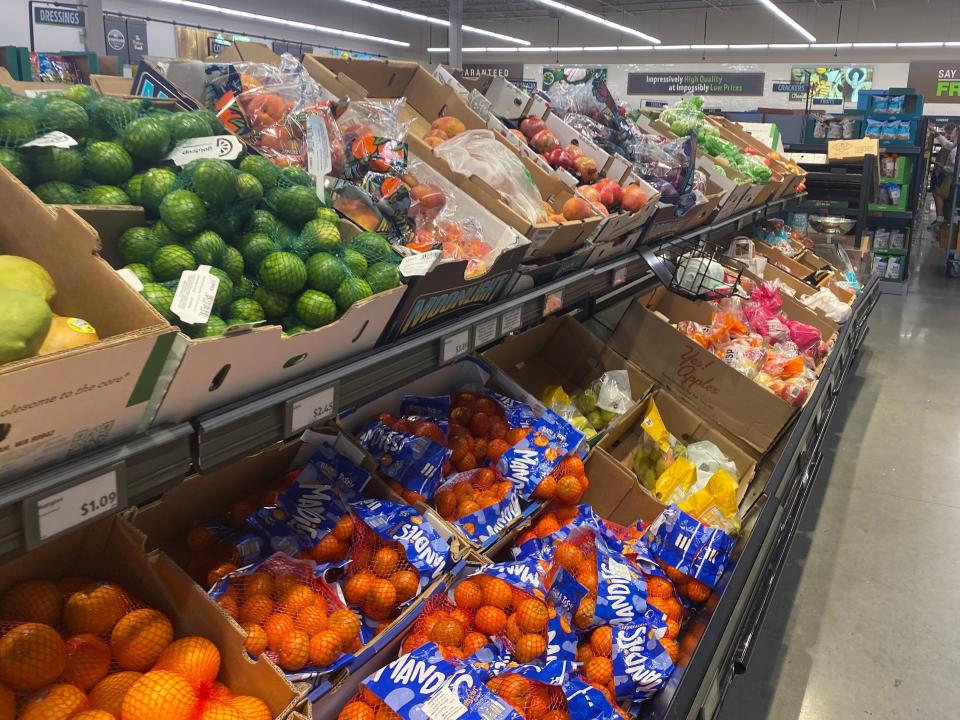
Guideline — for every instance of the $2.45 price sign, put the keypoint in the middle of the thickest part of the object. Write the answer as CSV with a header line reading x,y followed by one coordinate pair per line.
x,y
310,408
49,515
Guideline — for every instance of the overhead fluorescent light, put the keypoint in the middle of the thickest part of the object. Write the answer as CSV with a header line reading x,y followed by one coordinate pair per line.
x,y
768,4
788,46
533,49
672,47
952,44
708,47
310,27
920,44
875,45
637,48
563,7
601,48
750,46
433,20
831,45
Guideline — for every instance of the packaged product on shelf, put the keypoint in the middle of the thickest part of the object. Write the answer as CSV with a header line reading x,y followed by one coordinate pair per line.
x,y
894,103
479,502
531,462
825,300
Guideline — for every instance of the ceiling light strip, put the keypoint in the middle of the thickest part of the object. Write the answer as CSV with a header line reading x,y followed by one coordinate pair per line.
x,y
571,10
768,4
666,48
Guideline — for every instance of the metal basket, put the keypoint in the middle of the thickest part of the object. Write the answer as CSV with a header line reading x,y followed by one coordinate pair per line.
x,y
696,269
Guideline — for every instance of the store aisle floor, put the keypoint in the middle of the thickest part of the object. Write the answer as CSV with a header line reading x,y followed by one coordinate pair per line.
x,y
863,624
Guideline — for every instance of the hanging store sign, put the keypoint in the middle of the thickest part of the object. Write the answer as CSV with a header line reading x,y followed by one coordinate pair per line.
x,y
59,16
510,71
695,83
938,82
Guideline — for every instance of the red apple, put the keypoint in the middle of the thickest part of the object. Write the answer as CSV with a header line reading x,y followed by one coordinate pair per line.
x,y
573,150
530,126
634,198
611,194
559,158
590,193
586,168
600,208
577,208
544,141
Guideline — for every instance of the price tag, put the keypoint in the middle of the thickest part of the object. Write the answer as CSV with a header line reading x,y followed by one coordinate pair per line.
x,y
47,516
485,332
319,162
455,345
195,295
552,302
224,147
55,139
619,276
511,320
311,408
419,264
130,278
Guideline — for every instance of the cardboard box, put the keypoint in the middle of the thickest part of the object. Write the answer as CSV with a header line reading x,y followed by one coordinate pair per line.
x,y
29,88
534,273
666,223
113,550
852,150
216,371
111,85
787,176
60,405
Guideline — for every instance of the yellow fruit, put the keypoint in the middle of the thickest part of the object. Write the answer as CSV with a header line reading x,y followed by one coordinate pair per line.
x,y
88,661
31,656
66,333
159,694
20,273
57,702
195,658
32,601
109,693
139,638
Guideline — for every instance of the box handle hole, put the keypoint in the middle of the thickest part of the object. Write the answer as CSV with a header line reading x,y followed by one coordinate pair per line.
x,y
219,378
295,360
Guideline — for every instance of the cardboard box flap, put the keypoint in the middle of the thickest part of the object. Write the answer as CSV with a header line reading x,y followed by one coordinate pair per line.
x,y
615,493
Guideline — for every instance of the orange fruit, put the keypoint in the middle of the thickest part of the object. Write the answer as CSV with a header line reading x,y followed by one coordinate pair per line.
x,y
282,583
659,587
538,704
461,616
199,539
546,489
671,647
584,653
159,694
329,549
568,556
220,571
90,715
346,624
496,448
447,632
570,465
31,656
466,507
584,614
382,598
251,708
532,616
343,530
139,638
675,575
256,642
547,525
386,713
37,601
385,562
530,646
513,629
601,641
415,640
599,670
698,591
195,658
356,711
668,606
296,599
498,593
256,609
57,702
565,513
229,604
426,622
473,641
219,710
8,704
490,620
515,689
108,694
445,502
258,583
569,490
356,588
406,583
88,661
463,490
556,715
311,620
515,435
467,595
673,629
218,691
325,648
95,609
294,650
276,627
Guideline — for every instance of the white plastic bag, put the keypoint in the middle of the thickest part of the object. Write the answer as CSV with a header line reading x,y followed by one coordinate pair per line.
x,y
832,307
708,459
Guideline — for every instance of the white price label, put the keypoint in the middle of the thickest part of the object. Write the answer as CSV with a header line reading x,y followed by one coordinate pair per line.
x,y
86,501
313,408
196,292
511,319
319,162
552,303
485,332
419,264
619,570
55,139
619,276
37,92
224,147
130,278
443,705
456,345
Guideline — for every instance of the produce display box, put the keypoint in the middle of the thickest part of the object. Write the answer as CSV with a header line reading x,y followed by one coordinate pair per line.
x,y
28,88
111,85
215,371
620,225
115,551
771,273
802,266
563,352
429,99
785,180
60,405
685,425
602,252
532,274
665,222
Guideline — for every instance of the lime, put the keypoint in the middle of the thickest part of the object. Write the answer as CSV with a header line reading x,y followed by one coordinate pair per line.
x,y
256,248
214,181
165,236
294,329
282,272
352,290
170,261
160,298
226,221
80,94
243,287
108,163
183,212
213,122
207,247
295,204
156,183
262,221
262,169
55,164
372,246
143,272
224,289
274,305
325,272
213,327
284,236
246,310
132,187
296,176
147,139
137,245
188,125
249,189
355,261
104,195
321,236
67,117
17,128
328,215
57,192
111,115
231,262
316,308
14,161
382,276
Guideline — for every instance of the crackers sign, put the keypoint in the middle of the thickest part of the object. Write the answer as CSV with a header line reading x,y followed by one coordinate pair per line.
x,y
695,83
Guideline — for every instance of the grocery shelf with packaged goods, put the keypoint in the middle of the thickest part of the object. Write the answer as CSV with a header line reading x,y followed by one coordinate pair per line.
x,y
234,446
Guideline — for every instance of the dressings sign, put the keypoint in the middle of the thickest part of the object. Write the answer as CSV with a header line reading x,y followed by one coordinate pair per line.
x,y
938,82
695,83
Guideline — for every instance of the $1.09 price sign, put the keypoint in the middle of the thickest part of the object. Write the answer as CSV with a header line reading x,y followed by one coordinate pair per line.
x,y
49,515
314,407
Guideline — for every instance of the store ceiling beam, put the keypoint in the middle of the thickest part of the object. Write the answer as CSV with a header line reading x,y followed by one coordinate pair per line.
x,y
456,34
93,37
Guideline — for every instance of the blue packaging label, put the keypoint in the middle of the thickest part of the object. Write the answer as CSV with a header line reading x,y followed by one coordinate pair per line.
x,y
621,591
640,664
339,472
414,461
585,701
517,414
528,462
489,521
683,542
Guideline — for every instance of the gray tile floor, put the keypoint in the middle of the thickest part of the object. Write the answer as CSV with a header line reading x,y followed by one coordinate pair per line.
x,y
863,624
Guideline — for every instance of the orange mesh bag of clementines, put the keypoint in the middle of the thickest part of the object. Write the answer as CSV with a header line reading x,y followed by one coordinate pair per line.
x,y
290,615
448,623
531,699
566,484
467,493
